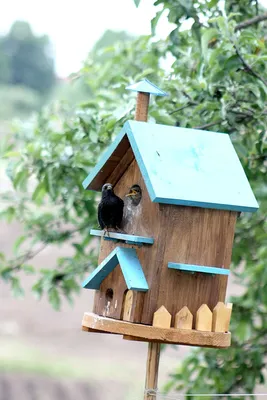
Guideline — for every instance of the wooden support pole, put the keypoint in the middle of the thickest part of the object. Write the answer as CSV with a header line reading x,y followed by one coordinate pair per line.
x,y
152,368
142,102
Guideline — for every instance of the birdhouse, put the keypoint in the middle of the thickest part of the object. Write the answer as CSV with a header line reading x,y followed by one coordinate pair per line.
x,y
163,276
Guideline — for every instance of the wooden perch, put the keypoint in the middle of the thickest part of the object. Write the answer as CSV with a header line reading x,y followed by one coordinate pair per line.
x,y
183,319
204,318
162,318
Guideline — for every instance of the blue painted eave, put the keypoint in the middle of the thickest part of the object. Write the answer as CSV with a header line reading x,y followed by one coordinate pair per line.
x,y
130,266
146,86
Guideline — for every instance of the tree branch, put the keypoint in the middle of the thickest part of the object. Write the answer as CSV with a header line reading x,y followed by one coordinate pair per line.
x,y
251,21
248,67
208,125
189,104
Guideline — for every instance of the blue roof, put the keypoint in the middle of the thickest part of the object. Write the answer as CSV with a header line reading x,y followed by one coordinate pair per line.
x,y
130,267
181,166
146,86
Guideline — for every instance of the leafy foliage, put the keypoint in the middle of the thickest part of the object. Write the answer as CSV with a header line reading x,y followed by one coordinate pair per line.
x,y
217,81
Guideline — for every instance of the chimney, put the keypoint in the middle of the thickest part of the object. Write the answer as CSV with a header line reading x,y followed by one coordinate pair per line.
x,y
144,89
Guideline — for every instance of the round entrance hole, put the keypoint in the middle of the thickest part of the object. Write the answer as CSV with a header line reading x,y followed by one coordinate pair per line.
x,y
109,294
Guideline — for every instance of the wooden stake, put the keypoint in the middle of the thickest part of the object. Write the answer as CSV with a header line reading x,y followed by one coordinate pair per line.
x,y
142,102
152,369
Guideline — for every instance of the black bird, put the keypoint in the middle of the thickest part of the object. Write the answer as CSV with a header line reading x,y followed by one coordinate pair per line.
x,y
110,209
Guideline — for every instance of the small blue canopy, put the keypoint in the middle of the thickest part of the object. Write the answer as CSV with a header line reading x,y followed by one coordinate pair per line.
x,y
130,267
146,86
180,166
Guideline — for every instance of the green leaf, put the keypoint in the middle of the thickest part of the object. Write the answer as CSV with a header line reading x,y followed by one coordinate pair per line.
x,y
39,193
18,243
16,288
208,36
20,179
11,154
54,298
232,62
155,21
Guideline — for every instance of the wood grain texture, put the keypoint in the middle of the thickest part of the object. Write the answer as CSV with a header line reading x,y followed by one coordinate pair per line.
x,y
141,110
133,306
112,162
204,318
161,335
152,369
162,318
220,318
183,319
124,163
195,236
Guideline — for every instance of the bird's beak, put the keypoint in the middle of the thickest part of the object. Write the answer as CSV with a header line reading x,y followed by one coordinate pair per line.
x,y
132,193
109,187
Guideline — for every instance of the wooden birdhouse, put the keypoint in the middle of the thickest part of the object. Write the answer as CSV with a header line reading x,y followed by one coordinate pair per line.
x,y
163,277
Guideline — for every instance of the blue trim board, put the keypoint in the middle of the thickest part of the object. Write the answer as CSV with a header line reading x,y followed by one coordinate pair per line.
x,y
199,268
140,161
130,267
107,154
123,236
191,203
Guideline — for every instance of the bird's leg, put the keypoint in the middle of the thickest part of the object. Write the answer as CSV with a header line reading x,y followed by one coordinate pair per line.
x,y
106,231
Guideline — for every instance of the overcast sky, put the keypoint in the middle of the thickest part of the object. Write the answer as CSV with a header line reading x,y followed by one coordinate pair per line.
x,y
74,26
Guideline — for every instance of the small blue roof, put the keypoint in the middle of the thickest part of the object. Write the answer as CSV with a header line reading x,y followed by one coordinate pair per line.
x,y
146,86
130,267
180,166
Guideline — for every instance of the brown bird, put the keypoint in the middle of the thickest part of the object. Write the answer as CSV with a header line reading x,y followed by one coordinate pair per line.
x,y
135,194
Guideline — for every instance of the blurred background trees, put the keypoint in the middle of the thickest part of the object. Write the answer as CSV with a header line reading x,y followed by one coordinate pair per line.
x,y
27,73
214,69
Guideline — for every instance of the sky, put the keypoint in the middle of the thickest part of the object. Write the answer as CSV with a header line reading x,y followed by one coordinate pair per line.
x,y
74,26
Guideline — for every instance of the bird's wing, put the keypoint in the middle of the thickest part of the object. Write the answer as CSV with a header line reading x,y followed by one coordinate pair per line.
x,y
99,216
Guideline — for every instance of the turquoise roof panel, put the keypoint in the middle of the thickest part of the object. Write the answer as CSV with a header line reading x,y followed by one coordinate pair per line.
x,y
130,266
183,167
146,86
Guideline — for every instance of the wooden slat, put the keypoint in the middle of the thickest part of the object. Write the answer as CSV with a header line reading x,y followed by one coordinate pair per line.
x,y
133,306
204,318
161,335
183,319
162,318
221,318
121,167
